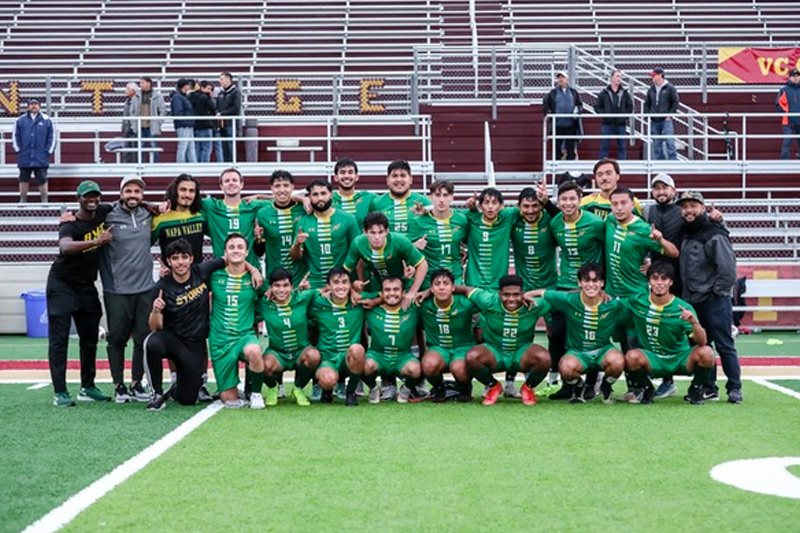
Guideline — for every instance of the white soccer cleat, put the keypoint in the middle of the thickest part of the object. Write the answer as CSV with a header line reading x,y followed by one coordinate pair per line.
x,y
256,400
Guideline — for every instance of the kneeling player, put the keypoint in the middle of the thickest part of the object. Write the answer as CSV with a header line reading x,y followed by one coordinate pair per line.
x,y
508,330
663,323
340,326
591,321
285,315
391,333
447,320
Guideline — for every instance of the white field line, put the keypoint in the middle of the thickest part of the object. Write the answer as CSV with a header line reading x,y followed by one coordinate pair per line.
x,y
39,386
67,511
789,392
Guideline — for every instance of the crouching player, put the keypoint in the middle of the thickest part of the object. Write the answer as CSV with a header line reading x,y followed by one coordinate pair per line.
x,y
591,321
340,326
391,333
663,323
508,330
285,315
447,320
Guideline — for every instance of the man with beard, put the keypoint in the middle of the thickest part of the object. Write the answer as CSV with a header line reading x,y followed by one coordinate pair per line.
x,y
346,197
323,238
229,104
278,222
606,178
126,269
614,99
183,220
398,203
71,294
708,271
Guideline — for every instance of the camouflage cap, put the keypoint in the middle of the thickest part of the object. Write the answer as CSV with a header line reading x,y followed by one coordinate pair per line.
x,y
691,195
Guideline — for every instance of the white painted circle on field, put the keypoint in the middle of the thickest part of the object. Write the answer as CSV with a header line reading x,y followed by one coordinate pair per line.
x,y
768,475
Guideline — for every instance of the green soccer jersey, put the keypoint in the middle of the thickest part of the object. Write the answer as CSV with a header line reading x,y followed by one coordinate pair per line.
x,y
588,328
329,239
444,237
386,262
596,204
659,328
505,330
233,306
535,253
488,247
174,225
449,327
279,229
581,241
224,219
287,323
340,326
399,212
357,205
391,331
626,247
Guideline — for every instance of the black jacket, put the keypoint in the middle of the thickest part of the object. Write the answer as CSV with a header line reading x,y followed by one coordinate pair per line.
x,y
229,102
619,102
707,262
667,104
549,108
202,106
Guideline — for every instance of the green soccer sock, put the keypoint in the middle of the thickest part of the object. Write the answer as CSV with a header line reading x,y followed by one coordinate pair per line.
x,y
700,375
369,380
256,381
352,383
412,383
302,375
639,378
436,381
534,378
270,381
485,376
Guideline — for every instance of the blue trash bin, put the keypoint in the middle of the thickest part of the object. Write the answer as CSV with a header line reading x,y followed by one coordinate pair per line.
x,y
35,313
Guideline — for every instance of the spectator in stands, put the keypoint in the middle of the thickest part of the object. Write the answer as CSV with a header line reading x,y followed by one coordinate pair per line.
x,y
150,106
184,128
708,273
203,106
788,101
34,141
229,103
129,127
614,99
661,103
563,99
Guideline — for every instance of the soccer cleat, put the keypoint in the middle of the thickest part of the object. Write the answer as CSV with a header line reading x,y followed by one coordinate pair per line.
x,y
528,395
439,394
735,396
388,392
375,394
281,392
238,403
464,392
256,400
300,397
157,403
316,393
665,390
404,394
92,394
607,392
589,393
510,390
695,395
493,394
271,398
63,399
709,395
631,396
121,394
420,392
564,393
138,394
340,391
351,400
327,396
203,395
647,395
577,392
360,389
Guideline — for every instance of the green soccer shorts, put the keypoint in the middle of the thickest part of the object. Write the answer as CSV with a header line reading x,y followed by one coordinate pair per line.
x,y
225,359
450,354
287,360
592,359
390,365
508,362
668,365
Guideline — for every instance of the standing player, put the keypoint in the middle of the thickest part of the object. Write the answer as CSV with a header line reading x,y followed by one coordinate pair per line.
x,y
440,233
606,177
591,322
183,220
340,326
323,238
231,337
534,244
346,197
398,203
663,324
447,320
508,329
285,315
278,221
391,333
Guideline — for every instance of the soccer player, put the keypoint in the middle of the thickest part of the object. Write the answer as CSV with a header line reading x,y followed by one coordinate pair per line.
x,y
663,324
509,327
391,333
340,326
285,315
231,337
606,177
534,244
231,215
447,320
440,233
387,254
591,321
346,197
398,203
323,238
183,220
278,222
488,250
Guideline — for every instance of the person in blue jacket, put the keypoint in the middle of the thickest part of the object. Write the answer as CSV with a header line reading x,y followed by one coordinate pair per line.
x,y
34,141
184,127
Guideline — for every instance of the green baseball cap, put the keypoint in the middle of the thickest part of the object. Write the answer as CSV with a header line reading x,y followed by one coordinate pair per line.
x,y
88,186
691,195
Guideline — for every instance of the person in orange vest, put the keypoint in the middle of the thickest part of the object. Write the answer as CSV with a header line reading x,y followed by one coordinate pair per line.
x,y
788,101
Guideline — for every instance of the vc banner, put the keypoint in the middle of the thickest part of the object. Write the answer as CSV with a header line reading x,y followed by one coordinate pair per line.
x,y
756,65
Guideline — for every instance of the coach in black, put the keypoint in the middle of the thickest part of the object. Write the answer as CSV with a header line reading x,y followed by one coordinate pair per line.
x,y
71,294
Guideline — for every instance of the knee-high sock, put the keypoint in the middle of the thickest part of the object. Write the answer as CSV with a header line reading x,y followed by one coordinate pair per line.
x,y
534,378
256,381
302,375
484,375
369,380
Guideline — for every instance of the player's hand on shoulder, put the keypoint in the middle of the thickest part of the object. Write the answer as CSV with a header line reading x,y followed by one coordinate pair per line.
x,y
256,279
66,216
258,231
422,296
408,299
421,243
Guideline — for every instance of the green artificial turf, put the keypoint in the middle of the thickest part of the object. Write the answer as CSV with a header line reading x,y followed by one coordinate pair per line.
x,y
793,384
49,453
453,467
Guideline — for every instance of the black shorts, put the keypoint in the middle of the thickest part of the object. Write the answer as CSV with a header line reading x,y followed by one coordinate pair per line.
x,y
39,172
